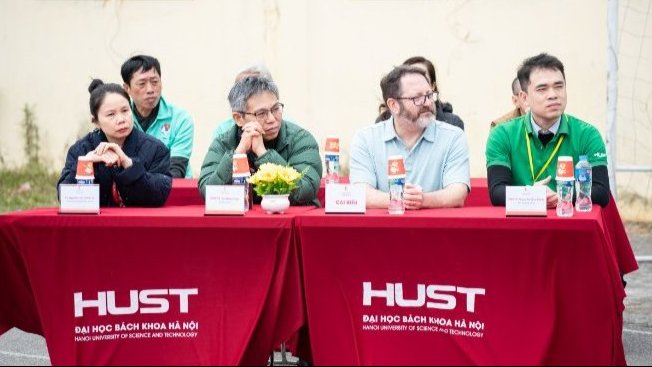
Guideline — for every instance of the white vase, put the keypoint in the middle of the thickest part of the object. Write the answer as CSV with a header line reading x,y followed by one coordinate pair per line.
x,y
275,203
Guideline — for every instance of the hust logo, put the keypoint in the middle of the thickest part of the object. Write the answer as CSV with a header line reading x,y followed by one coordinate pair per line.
x,y
145,301
441,297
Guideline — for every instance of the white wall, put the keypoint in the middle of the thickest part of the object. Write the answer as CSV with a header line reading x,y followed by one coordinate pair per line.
x,y
326,56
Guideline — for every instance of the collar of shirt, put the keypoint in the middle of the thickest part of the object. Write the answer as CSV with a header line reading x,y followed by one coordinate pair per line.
x,y
536,128
390,133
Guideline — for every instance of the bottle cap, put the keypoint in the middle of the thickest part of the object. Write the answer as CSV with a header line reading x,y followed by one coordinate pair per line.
x,y
332,145
240,165
584,158
395,166
565,169
84,169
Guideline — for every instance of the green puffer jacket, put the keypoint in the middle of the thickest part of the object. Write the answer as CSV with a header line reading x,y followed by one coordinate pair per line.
x,y
295,147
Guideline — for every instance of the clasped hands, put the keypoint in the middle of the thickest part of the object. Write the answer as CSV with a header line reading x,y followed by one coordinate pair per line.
x,y
252,139
413,196
110,154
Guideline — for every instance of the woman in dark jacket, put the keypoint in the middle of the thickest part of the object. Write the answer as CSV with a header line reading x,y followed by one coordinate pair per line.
x,y
444,110
132,168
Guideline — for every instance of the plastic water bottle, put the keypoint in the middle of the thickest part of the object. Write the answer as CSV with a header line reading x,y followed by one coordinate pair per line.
x,y
396,175
565,179
241,176
242,180
332,160
584,180
332,163
396,200
565,198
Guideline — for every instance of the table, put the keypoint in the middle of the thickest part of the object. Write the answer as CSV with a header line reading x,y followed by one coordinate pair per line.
x,y
479,195
185,191
611,223
151,286
461,286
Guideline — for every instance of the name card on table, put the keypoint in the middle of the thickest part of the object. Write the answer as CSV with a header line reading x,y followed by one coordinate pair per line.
x,y
345,198
225,200
79,199
525,201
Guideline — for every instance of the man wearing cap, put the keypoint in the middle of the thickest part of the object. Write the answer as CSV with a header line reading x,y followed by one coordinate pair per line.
x,y
436,154
524,151
154,115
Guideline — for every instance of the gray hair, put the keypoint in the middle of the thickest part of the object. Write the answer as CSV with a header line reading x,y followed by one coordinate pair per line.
x,y
254,70
247,87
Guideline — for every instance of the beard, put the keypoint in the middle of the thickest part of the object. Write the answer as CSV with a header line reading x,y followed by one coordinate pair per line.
x,y
419,120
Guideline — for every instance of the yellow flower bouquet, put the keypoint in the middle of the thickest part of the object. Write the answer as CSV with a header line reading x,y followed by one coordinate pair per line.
x,y
274,179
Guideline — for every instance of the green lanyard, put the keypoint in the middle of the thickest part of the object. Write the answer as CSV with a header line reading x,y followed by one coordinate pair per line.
x,y
529,154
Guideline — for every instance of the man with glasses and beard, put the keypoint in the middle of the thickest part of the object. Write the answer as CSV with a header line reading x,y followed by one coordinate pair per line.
x,y
436,154
261,133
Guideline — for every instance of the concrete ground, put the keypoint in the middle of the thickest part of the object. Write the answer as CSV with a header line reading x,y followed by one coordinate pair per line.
x,y
637,335
19,348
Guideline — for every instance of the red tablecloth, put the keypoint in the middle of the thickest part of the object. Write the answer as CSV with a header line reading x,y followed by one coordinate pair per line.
x,y
184,192
479,195
187,288
611,223
461,286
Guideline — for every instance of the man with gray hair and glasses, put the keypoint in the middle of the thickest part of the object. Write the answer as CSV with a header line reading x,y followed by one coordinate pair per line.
x,y
436,154
261,133
254,70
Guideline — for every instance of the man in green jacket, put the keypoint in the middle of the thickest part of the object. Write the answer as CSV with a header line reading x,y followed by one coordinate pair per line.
x,y
261,133
154,115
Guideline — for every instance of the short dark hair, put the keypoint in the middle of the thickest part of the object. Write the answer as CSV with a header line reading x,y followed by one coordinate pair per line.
x,y
390,84
98,91
540,61
429,66
135,63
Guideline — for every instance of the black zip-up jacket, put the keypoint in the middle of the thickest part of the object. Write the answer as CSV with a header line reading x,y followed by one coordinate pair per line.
x,y
146,183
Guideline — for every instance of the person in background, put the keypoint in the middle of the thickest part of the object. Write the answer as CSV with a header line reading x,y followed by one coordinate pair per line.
x,y
436,153
156,116
524,151
262,134
254,70
444,110
132,168
520,106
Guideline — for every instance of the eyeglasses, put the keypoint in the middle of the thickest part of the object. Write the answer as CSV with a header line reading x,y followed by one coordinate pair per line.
x,y
421,100
261,115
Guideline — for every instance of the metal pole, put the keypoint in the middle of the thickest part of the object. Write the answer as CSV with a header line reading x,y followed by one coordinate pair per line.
x,y
612,91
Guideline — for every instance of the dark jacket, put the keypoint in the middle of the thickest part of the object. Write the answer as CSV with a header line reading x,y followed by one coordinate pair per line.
x,y
445,113
294,147
146,183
